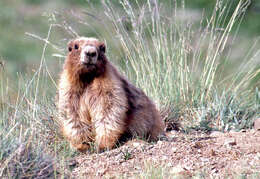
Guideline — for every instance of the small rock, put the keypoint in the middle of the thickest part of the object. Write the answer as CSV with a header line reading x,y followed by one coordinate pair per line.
x,y
101,172
169,165
216,134
149,147
177,169
204,159
72,163
174,149
198,145
160,142
230,141
136,144
214,170
172,134
164,158
257,124
243,130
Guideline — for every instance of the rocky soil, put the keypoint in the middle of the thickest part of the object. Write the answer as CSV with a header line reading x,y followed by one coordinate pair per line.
x,y
215,155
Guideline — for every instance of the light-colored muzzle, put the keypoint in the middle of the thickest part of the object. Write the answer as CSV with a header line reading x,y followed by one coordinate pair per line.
x,y
88,55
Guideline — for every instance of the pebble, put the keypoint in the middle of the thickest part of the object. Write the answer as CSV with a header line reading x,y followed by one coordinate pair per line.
x,y
230,141
174,149
216,134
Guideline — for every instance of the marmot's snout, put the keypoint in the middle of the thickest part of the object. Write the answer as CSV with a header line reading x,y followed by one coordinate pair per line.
x,y
88,55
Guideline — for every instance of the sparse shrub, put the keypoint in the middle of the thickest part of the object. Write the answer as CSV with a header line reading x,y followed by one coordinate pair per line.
x,y
24,162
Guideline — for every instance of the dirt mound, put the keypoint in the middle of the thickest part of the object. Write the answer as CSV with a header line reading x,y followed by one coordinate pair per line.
x,y
218,155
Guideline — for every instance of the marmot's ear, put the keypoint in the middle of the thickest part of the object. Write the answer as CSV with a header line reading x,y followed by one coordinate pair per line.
x,y
70,46
102,47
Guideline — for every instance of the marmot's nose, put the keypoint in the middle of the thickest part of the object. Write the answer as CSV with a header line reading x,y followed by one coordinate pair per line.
x,y
91,54
88,54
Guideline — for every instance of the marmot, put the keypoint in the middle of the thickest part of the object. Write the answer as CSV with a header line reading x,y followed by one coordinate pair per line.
x,y
97,104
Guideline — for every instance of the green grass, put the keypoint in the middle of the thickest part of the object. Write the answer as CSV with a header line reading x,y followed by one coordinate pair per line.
x,y
179,64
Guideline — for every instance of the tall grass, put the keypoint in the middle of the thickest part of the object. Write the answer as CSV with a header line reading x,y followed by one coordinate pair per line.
x,y
30,143
180,67
177,63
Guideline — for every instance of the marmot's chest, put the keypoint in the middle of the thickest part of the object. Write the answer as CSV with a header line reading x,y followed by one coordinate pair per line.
x,y
92,101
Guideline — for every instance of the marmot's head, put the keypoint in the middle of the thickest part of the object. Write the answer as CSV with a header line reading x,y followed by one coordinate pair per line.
x,y
86,56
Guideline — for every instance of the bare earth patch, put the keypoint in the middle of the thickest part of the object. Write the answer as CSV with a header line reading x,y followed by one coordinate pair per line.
x,y
218,155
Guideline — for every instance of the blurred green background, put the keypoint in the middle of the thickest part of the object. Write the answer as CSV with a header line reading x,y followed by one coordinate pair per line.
x,y
21,53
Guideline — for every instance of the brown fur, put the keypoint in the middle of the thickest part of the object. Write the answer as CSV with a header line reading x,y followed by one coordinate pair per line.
x,y
96,103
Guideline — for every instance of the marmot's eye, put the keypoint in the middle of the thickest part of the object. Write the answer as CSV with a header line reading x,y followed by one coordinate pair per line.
x,y
76,46
70,49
